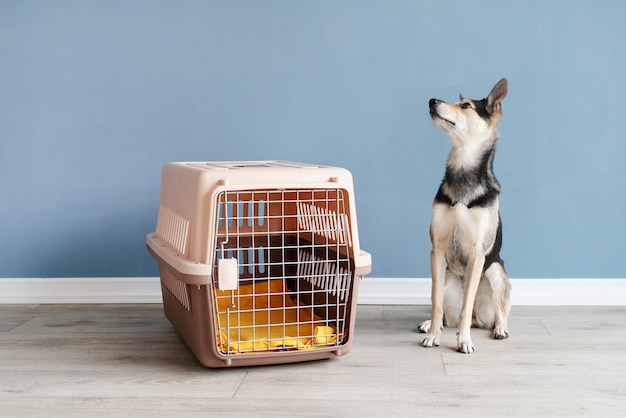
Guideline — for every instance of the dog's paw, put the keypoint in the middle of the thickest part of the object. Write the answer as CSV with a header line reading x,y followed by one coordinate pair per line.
x,y
424,327
465,347
464,342
500,333
431,340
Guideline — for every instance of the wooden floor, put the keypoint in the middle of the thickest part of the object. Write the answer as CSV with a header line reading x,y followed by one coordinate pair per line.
x,y
126,360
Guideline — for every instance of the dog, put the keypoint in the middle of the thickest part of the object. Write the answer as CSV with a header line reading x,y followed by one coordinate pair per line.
x,y
470,286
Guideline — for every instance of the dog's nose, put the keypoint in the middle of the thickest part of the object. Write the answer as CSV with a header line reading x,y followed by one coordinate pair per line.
x,y
433,102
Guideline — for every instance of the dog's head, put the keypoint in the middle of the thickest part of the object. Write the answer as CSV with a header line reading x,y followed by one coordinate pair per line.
x,y
470,121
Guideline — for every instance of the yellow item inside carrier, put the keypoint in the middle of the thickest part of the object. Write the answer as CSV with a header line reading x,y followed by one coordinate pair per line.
x,y
265,317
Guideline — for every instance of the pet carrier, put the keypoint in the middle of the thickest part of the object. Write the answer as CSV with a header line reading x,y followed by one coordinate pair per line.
x,y
259,261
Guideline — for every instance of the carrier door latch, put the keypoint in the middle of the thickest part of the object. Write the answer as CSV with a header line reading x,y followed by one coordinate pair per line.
x,y
227,274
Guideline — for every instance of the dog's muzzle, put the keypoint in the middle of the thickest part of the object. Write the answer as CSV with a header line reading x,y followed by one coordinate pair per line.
x,y
432,104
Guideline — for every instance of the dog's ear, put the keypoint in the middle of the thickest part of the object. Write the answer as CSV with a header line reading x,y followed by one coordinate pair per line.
x,y
498,93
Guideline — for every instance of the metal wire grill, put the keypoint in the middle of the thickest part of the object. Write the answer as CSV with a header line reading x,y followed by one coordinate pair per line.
x,y
294,268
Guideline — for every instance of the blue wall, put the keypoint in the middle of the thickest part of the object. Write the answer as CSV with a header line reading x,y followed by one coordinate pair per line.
x,y
95,96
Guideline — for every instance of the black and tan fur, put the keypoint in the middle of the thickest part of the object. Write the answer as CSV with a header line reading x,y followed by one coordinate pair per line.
x,y
469,284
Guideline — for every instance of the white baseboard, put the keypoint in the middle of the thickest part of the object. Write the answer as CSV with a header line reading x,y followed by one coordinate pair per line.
x,y
554,292
372,291
81,290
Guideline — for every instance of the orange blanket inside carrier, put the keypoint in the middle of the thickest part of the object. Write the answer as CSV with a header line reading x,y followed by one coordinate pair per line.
x,y
264,317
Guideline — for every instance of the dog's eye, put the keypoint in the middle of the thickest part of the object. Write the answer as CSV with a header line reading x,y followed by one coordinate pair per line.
x,y
465,105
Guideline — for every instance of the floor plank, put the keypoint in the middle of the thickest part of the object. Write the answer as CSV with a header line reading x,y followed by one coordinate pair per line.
x,y
126,360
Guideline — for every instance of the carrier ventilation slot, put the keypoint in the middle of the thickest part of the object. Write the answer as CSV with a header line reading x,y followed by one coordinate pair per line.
x,y
324,222
177,288
242,213
174,229
324,274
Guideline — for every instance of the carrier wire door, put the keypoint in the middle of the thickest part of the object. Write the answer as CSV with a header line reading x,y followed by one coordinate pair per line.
x,y
293,267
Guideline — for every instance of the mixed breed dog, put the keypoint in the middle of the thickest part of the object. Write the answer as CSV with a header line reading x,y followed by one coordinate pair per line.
x,y
470,287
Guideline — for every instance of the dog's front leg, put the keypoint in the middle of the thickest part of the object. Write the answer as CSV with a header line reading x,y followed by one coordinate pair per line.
x,y
441,231
474,272
438,272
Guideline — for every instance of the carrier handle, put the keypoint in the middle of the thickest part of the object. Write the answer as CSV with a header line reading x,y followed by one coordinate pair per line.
x,y
191,272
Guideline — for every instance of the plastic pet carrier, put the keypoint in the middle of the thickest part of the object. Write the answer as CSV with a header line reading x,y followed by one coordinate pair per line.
x,y
259,261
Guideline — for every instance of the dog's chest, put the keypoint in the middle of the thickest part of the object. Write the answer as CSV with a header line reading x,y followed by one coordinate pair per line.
x,y
462,239
466,231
